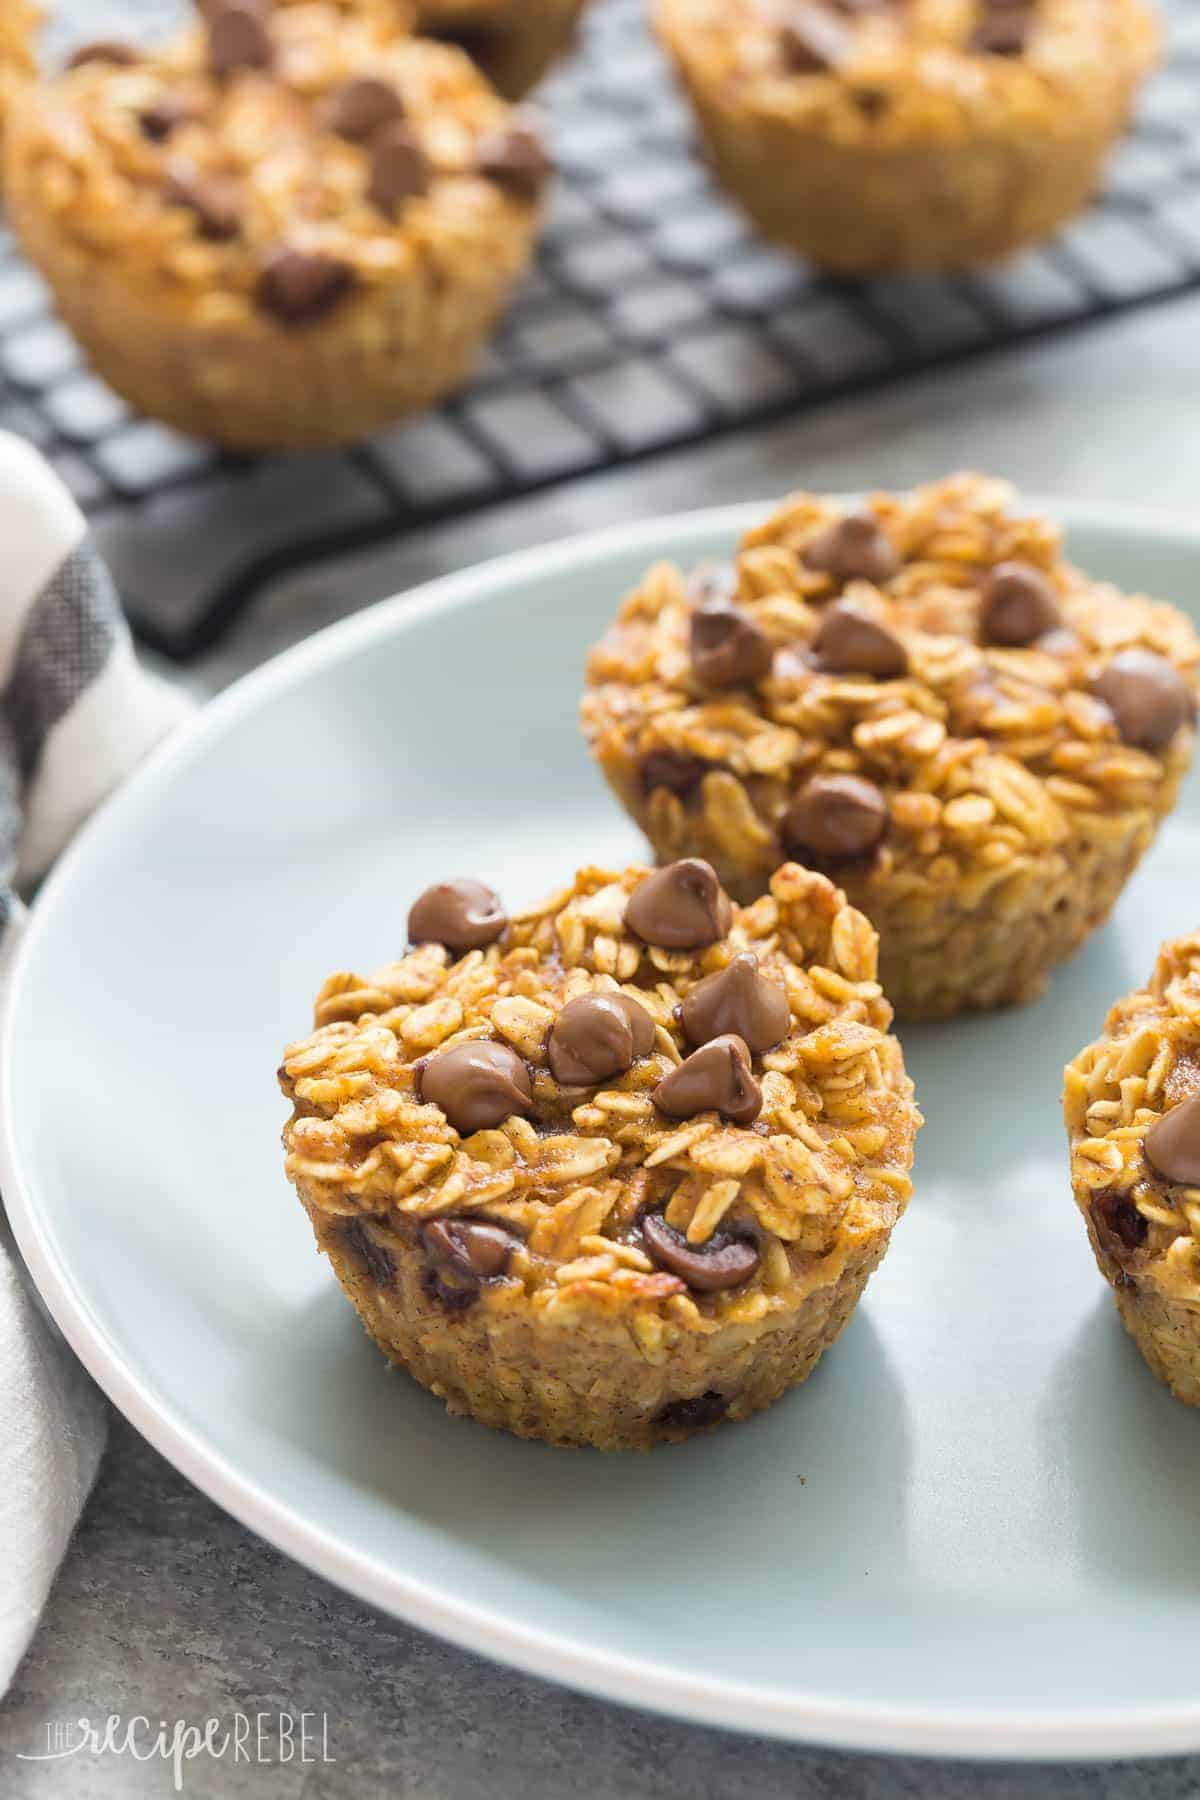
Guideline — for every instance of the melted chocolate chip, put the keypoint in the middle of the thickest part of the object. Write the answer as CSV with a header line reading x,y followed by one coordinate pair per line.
x,y
1003,29
300,287
708,1408
728,649
474,1248
681,907
1120,1227
853,548
213,199
360,107
837,816
162,117
716,1078
725,1261
813,40
597,1036
1148,698
850,642
676,770
1172,1144
374,1260
1017,605
478,1084
400,170
237,37
461,915
104,50
738,1000
514,159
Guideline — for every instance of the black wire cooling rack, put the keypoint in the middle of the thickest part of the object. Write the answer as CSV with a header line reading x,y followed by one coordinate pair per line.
x,y
653,319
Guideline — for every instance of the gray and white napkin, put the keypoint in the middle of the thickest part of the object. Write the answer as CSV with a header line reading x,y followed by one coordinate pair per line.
x,y
76,715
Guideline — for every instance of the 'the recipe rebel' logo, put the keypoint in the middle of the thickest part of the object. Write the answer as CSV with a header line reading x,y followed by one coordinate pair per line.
x,y
264,1738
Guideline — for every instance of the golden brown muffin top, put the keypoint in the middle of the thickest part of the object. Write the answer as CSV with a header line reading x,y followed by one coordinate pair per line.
x,y
675,1167
890,70
1132,1107
921,676
278,159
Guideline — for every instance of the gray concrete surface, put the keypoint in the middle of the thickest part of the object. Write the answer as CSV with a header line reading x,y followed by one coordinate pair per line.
x,y
166,1607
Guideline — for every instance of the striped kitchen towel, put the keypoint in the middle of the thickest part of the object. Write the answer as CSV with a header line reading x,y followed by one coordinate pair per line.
x,y
76,714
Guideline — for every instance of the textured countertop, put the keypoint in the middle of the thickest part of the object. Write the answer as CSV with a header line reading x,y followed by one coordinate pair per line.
x,y
167,1608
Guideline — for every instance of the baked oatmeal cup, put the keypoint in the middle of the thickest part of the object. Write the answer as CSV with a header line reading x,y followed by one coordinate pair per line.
x,y
937,134
19,20
615,1169
1132,1106
920,697
286,228
513,41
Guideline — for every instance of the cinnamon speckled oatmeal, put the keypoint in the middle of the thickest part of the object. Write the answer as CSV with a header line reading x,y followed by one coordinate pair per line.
x,y
287,227
976,740
926,135
596,1190
1132,1106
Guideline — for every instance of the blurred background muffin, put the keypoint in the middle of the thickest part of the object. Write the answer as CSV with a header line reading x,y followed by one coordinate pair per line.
x,y
285,227
934,135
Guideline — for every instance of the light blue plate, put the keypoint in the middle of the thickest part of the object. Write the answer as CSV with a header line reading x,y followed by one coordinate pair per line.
x,y
993,1548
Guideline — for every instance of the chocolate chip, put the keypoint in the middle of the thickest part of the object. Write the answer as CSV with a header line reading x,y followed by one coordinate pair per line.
x,y
360,107
237,37
853,548
712,584
681,907
728,649
813,40
725,1261
1017,604
104,50
1172,1144
837,816
708,1408
716,1078
462,915
849,641
477,1084
1119,1225
301,286
374,1260
214,200
597,1036
1148,697
673,769
514,159
474,1248
1002,30
740,1000
162,117
399,170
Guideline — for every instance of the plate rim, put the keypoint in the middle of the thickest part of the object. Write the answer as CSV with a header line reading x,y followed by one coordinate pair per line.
x,y
1005,1733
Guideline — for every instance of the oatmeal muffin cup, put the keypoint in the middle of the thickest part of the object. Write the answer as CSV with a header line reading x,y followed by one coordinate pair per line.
x,y
513,41
19,20
287,228
920,697
874,136
615,1169
1132,1106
